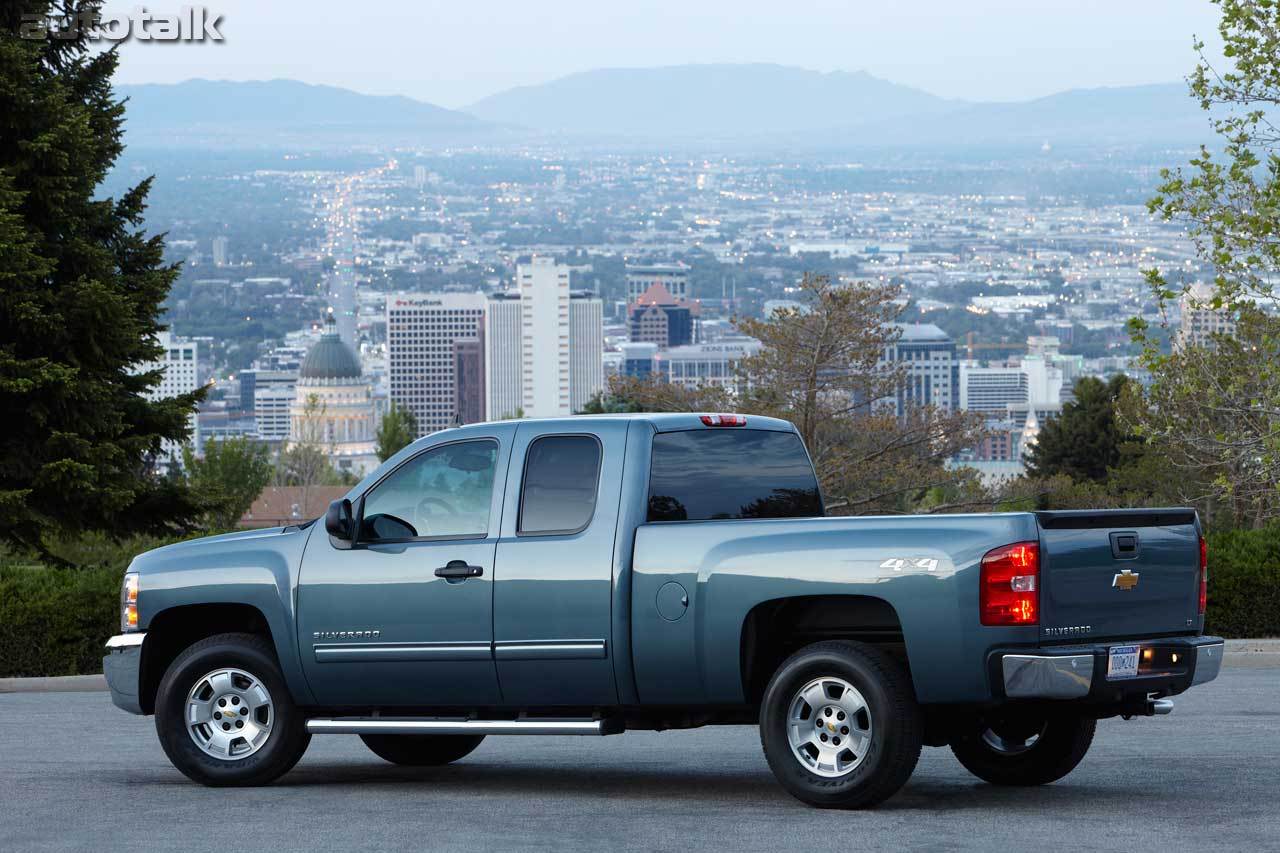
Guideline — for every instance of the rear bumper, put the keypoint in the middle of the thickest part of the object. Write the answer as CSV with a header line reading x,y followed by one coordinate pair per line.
x,y
1079,672
121,666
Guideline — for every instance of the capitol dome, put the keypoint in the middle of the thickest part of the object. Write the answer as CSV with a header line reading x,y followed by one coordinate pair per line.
x,y
329,358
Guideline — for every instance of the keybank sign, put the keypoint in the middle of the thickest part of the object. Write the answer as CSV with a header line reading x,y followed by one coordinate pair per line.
x,y
189,23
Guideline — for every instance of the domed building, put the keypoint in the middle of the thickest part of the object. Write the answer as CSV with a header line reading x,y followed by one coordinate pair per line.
x,y
333,405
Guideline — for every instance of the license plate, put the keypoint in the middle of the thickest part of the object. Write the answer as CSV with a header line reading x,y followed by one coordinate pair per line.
x,y
1122,662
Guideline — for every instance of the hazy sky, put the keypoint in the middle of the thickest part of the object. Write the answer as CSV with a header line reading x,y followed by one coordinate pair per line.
x,y
455,52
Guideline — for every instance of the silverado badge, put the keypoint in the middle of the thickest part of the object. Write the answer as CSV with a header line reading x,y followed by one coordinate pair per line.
x,y
1125,580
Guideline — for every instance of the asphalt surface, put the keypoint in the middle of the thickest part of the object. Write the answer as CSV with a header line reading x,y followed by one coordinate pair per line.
x,y
76,773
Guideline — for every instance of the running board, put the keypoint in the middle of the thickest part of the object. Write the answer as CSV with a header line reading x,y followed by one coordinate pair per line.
x,y
446,726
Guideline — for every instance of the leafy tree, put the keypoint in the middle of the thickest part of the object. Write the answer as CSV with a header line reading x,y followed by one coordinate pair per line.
x,y
231,475
1214,406
80,303
1084,441
397,430
606,403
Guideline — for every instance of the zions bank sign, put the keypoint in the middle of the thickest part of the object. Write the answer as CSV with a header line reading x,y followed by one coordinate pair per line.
x,y
189,23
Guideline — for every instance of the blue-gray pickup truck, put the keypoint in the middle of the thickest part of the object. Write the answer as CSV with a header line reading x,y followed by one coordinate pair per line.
x,y
589,575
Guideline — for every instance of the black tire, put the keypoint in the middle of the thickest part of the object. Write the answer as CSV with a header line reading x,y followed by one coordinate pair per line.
x,y
997,753
422,750
284,745
895,721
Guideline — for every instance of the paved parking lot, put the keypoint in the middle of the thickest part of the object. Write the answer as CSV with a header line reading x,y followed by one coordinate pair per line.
x,y
78,774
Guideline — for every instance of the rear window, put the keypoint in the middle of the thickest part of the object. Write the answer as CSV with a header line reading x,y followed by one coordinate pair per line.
x,y
731,473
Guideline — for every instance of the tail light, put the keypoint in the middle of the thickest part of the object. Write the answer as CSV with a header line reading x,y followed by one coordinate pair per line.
x,y
1010,585
1204,575
724,420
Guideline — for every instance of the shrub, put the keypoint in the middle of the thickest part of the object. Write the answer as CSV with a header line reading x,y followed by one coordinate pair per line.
x,y
54,621
1244,583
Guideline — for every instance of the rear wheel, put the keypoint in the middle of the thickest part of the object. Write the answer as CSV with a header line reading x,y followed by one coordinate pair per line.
x,y
1025,750
421,750
840,726
225,716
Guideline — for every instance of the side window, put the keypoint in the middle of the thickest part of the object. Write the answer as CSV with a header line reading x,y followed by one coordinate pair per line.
x,y
445,491
561,477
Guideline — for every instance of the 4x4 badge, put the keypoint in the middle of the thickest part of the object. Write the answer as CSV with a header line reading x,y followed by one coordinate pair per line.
x,y
1124,580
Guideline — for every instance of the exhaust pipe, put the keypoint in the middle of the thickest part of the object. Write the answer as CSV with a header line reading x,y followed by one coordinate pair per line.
x,y
1160,707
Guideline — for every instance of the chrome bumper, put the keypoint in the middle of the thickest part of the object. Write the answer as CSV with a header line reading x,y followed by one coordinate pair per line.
x,y
122,666
1076,672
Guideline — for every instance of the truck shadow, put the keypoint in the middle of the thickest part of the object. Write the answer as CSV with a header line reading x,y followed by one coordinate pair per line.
x,y
704,787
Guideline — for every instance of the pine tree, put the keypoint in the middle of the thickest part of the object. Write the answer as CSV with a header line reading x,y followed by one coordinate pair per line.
x,y
81,288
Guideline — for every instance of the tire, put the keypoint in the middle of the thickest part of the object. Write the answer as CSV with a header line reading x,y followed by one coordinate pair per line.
x,y
860,771
422,750
224,675
1025,751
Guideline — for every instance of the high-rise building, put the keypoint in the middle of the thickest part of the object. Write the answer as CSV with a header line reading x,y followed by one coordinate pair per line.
x,y
673,277
657,317
586,348
420,176
272,408
637,359
932,374
421,366
1200,320
544,340
502,342
220,251
179,365
468,384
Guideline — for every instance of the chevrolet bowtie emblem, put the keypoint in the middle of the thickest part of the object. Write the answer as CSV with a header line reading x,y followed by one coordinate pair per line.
x,y
1125,580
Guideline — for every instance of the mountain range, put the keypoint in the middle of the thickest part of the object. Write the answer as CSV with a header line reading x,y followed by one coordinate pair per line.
x,y
654,106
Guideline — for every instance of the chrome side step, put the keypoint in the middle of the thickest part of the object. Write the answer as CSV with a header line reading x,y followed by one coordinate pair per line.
x,y
446,726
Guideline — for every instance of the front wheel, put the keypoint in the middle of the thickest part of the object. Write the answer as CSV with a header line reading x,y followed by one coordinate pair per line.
x,y
840,725
225,716
1025,750
421,750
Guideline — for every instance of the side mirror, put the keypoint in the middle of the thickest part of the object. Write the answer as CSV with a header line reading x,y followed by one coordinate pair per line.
x,y
339,521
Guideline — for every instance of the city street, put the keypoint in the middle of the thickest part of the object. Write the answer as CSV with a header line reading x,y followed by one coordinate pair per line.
x,y
79,774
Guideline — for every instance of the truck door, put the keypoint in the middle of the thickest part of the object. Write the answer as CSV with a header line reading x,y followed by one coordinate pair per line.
x,y
405,616
554,585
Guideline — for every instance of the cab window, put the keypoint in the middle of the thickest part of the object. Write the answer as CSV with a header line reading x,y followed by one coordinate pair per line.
x,y
561,477
445,492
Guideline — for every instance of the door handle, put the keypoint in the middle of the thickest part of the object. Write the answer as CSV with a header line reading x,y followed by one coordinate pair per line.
x,y
459,570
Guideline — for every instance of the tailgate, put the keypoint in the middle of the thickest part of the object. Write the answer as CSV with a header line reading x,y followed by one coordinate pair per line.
x,y
1118,573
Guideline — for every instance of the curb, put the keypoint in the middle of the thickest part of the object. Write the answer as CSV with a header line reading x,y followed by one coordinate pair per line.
x,y
1239,653
54,684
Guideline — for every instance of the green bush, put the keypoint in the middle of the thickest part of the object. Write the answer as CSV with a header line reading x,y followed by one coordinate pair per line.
x,y
1244,583
54,621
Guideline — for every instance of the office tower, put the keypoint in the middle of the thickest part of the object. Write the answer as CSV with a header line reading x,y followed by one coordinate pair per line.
x,y
179,365
219,251
272,408
420,176
657,317
586,348
502,334
637,359
468,373
544,340
932,375
421,331
674,278
1200,320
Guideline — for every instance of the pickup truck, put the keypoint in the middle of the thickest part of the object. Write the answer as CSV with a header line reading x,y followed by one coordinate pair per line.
x,y
589,575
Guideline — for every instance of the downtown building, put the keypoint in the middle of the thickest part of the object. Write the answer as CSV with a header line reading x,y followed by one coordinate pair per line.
x,y
673,278
930,366
543,345
179,366
433,342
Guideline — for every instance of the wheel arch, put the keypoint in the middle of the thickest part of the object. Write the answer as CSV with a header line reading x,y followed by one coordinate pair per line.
x,y
174,629
773,629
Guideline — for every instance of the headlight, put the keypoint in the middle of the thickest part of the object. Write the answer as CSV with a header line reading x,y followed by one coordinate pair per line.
x,y
129,602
